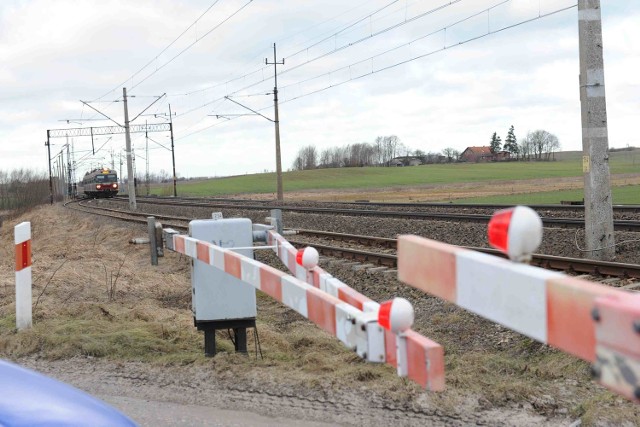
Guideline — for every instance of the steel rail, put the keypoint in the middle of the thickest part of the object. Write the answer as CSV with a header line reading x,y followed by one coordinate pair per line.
x,y
494,206
619,225
551,262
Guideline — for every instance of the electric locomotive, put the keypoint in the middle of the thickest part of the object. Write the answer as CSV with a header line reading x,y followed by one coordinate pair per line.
x,y
100,183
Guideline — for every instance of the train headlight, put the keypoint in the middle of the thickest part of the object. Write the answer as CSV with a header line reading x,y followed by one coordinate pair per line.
x,y
115,185
99,186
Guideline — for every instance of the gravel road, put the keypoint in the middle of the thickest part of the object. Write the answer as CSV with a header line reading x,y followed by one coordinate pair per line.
x,y
194,396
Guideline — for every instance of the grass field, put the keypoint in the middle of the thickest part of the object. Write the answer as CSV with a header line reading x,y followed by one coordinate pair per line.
x,y
622,195
568,165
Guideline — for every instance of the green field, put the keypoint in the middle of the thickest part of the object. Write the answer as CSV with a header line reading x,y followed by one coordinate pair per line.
x,y
624,195
568,165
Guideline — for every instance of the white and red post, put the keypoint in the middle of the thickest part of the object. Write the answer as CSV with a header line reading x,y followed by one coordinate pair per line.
x,y
23,275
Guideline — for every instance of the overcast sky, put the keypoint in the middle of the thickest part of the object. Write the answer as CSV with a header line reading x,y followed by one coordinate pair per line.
x,y
349,76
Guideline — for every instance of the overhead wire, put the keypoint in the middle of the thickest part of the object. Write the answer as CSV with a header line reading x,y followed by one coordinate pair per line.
x,y
261,69
194,42
488,33
348,26
345,28
445,47
161,52
387,29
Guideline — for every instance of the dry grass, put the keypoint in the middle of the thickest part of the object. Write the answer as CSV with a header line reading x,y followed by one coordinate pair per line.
x,y
96,295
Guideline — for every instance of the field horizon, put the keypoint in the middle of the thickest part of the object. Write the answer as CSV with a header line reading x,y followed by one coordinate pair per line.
x,y
497,182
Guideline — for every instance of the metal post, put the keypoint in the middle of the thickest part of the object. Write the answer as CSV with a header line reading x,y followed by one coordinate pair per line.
x,y
598,210
276,220
69,183
209,342
153,245
241,340
93,149
130,184
173,156
48,144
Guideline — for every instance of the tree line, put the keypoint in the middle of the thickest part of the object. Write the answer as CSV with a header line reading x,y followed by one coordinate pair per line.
x,y
537,145
378,153
22,189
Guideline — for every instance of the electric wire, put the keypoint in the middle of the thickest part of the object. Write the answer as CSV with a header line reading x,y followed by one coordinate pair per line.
x,y
224,21
392,27
261,69
344,29
489,32
161,52
406,21
290,56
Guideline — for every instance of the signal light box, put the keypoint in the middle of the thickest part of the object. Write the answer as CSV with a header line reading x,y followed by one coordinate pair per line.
x,y
219,300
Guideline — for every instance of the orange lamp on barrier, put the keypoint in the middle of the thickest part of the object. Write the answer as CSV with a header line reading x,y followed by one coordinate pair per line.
x,y
307,257
396,315
516,231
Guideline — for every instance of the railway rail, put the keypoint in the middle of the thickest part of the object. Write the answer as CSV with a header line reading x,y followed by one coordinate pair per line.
x,y
471,206
572,265
619,224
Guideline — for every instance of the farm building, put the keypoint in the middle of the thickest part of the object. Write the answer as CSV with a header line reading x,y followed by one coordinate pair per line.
x,y
405,161
483,154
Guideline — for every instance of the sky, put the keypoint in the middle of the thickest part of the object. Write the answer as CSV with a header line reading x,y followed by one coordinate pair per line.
x,y
435,73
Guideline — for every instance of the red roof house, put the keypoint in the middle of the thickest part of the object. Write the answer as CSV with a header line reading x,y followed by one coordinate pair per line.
x,y
476,154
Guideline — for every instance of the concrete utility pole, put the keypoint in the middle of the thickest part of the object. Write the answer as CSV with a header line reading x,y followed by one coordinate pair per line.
x,y
598,209
48,144
130,184
277,122
146,161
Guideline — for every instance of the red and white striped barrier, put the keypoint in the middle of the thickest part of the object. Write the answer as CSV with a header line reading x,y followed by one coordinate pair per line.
x,y
597,323
424,358
23,275
357,328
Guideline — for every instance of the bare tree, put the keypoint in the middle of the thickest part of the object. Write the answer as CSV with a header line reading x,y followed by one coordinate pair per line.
x,y
22,189
310,157
525,147
390,147
451,154
543,143
379,150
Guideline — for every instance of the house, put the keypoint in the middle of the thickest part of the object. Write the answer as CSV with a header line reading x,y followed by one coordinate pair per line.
x,y
476,154
405,161
483,154
500,156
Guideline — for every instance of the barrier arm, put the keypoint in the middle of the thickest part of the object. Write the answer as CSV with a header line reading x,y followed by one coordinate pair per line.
x,y
360,329
594,322
426,357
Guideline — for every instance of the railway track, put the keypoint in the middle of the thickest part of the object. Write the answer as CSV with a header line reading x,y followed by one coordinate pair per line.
x,y
571,265
576,223
468,206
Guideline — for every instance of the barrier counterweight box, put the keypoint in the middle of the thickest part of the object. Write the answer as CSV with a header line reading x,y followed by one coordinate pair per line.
x,y
219,300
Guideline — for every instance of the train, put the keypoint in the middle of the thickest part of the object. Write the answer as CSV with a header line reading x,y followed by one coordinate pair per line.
x,y
102,182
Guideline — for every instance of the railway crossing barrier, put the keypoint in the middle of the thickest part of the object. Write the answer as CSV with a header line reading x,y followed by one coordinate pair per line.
x,y
596,323
420,352
377,335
